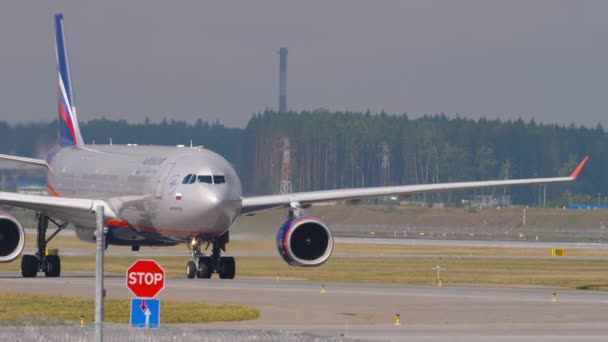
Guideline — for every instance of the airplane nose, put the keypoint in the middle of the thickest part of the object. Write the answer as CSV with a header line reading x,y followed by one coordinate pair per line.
x,y
213,199
220,208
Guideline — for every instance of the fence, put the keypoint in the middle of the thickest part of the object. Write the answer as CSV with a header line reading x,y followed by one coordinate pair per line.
x,y
56,331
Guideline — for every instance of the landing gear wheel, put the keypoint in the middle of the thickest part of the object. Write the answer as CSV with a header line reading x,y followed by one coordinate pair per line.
x,y
227,268
29,266
205,268
53,266
190,269
49,264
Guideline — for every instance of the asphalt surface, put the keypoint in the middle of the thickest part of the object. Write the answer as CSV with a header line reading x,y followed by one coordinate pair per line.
x,y
352,312
367,312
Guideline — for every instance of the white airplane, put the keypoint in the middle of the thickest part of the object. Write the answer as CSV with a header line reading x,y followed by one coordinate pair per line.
x,y
162,196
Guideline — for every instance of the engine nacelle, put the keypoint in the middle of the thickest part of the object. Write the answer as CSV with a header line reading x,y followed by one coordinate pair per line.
x,y
305,241
85,234
12,237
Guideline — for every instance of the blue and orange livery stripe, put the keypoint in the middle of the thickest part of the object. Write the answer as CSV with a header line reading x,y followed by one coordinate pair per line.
x,y
69,132
117,223
50,187
65,115
289,231
155,230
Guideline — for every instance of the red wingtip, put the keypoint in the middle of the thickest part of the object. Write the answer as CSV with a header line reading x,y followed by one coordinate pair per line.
x,y
579,168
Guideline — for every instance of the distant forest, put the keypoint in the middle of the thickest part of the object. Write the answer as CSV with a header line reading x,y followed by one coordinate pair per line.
x,y
348,149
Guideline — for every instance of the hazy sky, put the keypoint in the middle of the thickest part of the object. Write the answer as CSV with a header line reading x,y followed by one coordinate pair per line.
x,y
218,59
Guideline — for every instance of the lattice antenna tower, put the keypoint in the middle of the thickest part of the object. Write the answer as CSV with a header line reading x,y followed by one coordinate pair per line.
x,y
385,166
282,80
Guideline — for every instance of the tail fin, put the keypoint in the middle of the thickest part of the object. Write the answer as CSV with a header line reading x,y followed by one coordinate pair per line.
x,y
69,131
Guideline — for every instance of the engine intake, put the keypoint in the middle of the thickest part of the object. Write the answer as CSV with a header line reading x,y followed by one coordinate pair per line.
x,y
305,241
12,237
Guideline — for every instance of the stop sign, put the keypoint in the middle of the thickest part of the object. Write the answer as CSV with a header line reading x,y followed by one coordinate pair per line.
x,y
145,278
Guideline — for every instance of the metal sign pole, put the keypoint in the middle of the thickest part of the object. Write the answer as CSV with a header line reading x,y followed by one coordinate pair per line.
x,y
99,290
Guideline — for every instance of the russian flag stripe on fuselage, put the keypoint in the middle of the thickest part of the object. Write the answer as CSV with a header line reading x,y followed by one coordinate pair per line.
x,y
65,113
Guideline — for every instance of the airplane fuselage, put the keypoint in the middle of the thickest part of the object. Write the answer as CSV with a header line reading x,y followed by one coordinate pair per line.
x,y
147,188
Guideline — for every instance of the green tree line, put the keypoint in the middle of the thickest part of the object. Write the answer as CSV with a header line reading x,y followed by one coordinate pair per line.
x,y
344,149
352,149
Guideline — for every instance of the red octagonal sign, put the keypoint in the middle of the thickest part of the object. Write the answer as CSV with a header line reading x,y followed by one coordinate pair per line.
x,y
145,278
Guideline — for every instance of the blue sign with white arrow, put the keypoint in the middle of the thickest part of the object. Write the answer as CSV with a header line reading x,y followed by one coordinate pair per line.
x,y
145,313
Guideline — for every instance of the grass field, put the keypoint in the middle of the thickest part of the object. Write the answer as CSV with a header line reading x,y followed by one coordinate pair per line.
x,y
499,267
27,309
583,274
496,268
375,265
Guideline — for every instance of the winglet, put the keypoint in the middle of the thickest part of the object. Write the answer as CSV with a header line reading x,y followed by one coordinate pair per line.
x,y
579,168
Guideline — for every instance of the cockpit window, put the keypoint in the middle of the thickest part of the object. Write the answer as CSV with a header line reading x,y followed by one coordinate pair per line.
x,y
186,179
219,179
205,179
192,179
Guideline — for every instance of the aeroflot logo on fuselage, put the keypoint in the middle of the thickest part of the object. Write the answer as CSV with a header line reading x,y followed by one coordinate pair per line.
x,y
172,184
154,161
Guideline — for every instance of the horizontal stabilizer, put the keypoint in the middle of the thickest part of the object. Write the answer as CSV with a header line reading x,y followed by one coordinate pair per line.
x,y
59,207
31,161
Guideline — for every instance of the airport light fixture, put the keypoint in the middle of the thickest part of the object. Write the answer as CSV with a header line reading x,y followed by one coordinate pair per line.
x,y
438,269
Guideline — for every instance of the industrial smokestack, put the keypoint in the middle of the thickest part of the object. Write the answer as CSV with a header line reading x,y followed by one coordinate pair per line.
x,y
283,80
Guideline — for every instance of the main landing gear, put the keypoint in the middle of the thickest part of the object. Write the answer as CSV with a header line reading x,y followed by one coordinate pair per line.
x,y
41,262
203,267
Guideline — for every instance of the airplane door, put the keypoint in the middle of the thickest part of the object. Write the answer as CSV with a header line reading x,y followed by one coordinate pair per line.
x,y
164,173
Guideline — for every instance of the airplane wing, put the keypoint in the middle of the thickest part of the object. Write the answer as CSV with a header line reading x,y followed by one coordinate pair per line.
x,y
259,203
67,209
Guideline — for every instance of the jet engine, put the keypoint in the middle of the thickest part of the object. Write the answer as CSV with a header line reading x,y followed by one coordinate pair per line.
x,y
12,237
305,241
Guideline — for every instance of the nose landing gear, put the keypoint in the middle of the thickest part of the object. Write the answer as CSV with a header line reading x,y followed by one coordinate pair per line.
x,y
203,267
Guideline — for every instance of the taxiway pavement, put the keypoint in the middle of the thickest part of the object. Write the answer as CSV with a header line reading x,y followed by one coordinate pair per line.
x,y
367,312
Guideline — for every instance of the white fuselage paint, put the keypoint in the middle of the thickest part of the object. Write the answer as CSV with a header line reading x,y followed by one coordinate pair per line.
x,y
143,186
